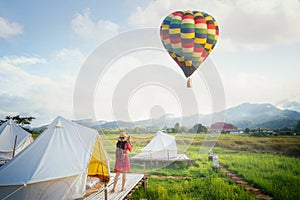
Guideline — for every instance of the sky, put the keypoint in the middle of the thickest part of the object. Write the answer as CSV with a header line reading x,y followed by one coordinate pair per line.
x,y
44,47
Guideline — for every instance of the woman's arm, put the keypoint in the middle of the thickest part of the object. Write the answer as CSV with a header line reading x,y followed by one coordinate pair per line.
x,y
128,147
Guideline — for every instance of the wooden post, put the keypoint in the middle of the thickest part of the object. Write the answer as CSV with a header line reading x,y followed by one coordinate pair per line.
x,y
145,182
189,157
145,179
168,156
105,191
15,144
150,157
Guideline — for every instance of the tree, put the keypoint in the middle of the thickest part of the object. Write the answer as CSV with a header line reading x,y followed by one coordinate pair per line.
x,y
21,121
198,128
176,128
247,130
286,131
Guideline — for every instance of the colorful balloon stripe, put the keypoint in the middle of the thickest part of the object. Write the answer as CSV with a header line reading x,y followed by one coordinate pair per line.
x,y
189,37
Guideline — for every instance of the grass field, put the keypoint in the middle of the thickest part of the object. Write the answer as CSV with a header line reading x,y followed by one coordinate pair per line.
x,y
268,163
278,176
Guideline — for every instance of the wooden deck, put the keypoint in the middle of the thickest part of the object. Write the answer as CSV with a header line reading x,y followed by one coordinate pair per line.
x,y
132,180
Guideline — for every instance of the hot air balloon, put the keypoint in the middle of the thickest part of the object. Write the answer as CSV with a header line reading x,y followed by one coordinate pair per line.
x,y
189,37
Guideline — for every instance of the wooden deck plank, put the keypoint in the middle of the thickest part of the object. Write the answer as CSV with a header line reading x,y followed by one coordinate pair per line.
x,y
131,181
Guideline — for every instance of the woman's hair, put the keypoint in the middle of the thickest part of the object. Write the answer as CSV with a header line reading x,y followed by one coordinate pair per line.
x,y
121,143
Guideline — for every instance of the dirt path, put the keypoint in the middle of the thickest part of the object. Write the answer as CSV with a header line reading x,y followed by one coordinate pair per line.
x,y
246,185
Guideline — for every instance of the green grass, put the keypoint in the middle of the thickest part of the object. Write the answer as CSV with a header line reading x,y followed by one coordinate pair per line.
x,y
268,163
283,145
211,187
259,161
278,176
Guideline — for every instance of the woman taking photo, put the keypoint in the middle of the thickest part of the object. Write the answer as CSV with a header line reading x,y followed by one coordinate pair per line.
x,y
122,164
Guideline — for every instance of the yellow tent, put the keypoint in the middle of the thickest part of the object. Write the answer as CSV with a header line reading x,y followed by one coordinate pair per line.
x,y
98,165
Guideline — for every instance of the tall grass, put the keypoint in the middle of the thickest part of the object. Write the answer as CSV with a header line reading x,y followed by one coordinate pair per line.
x,y
278,176
283,145
210,188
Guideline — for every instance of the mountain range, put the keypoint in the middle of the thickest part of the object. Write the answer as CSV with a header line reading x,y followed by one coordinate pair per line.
x,y
246,115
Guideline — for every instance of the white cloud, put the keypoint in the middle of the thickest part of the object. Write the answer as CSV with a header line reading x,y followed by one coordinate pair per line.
x,y
41,97
94,31
226,45
145,82
247,87
248,24
19,60
67,63
108,83
257,25
43,92
9,29
73,55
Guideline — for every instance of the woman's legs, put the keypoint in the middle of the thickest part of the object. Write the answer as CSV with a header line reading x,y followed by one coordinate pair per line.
x,y
115,181
123,180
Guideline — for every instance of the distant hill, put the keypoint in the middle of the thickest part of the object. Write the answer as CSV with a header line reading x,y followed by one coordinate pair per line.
x,y
89,122
115,124
249,115
290,105
279,123
246,115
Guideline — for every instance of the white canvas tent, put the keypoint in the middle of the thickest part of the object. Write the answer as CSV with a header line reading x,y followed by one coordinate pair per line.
x,y
161,147
56,164
12,136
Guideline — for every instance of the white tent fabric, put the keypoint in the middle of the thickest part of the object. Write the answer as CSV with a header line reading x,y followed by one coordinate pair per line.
x,y
161,147
54,166
9,131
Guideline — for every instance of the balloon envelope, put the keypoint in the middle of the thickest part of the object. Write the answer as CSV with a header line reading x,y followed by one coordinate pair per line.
x,y
189,37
